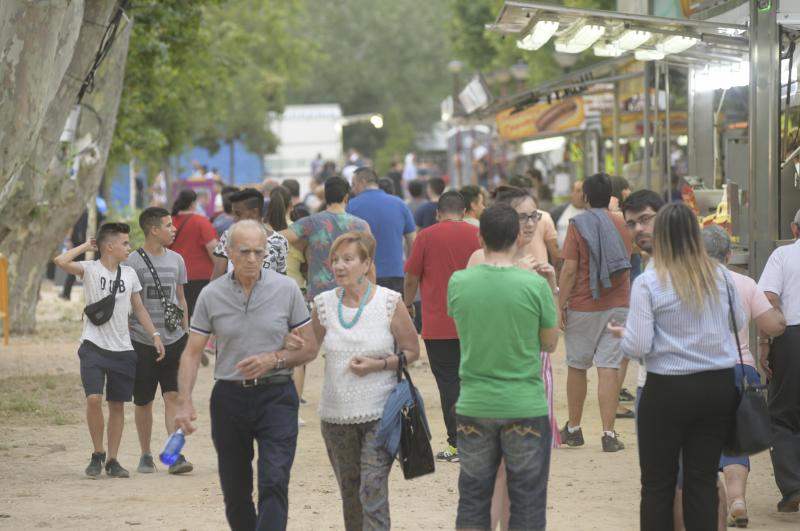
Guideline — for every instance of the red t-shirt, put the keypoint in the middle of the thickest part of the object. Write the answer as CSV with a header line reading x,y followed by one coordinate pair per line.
x,y
438,252
618,295
194,234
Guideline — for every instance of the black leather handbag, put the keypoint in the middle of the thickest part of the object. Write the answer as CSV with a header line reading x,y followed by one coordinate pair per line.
x,y
751,431
416,455
101,311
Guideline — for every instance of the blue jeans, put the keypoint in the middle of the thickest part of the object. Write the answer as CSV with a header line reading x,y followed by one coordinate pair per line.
x,y
751,377
268,415
525,445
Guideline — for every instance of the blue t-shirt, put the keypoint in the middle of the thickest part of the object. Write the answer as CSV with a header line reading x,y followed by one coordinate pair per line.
x,y
425,216
389,220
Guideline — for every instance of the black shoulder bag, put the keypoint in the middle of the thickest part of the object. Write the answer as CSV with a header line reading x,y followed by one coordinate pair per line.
x,y
101,311
751,432
416,456
173,314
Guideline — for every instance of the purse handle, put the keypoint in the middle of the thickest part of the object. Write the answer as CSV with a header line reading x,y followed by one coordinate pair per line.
x,y
735,328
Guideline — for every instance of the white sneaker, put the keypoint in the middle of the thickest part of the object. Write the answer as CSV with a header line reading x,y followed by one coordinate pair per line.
x,y
300,422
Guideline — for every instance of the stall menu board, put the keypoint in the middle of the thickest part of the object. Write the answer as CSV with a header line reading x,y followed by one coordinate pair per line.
x,y
541,119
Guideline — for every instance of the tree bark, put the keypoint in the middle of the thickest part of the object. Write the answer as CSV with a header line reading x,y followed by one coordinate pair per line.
x,y
36,43
46,202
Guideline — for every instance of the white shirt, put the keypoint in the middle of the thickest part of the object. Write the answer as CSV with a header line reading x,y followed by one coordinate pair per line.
x,y
112,335
347,398
563,223
781,276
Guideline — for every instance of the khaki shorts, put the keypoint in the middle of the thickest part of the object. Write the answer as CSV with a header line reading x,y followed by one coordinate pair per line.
x,y
588,340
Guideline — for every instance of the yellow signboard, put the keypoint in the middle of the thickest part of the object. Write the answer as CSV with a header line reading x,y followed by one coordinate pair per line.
x,y
541,119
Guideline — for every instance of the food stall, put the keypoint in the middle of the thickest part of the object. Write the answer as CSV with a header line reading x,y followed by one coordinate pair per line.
x,y
735,44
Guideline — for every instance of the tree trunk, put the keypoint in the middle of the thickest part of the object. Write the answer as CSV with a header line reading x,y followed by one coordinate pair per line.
x,y
36,42
45,204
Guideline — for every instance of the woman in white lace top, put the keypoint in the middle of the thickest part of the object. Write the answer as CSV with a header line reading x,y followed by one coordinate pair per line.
x,y
358,324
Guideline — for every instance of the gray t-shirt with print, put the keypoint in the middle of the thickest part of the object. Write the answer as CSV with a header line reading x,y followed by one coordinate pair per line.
x,y
171,272
246,326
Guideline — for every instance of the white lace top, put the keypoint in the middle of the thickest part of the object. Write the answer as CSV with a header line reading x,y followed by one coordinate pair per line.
x,y
346,397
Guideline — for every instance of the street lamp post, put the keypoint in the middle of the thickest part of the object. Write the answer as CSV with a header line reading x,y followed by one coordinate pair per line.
x,y
455,67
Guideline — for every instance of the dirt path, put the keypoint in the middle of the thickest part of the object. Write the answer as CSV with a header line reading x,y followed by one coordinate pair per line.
x,y
43,486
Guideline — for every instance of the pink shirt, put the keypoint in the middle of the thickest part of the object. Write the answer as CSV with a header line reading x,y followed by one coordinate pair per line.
x,y
545,231
755,303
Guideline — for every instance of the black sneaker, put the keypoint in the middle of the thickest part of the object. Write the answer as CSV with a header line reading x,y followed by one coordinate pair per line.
x,y
625,396
612,443
790,503
181,466
146,464
571,439
96,464
625,414
115,470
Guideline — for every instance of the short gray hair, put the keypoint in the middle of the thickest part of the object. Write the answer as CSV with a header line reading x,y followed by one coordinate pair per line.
x,y
717,242
243,225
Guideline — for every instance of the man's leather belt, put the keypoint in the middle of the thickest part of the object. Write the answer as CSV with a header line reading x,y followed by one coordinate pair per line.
x,y
267,380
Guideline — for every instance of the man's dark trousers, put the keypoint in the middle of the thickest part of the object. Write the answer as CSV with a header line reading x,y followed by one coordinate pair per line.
x,y
444,356
268,415
784,410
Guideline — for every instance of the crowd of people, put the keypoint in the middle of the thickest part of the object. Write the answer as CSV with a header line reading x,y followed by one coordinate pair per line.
x,y
490,282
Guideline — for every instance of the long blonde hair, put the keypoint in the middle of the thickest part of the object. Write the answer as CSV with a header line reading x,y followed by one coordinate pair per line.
x,y
680,256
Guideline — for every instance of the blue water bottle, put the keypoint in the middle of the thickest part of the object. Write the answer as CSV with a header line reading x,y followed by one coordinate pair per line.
x,y
173,447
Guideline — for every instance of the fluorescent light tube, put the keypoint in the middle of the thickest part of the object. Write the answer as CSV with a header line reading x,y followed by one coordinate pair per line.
x,y
606,49
538,37
581,39
632,39
648,55
676,44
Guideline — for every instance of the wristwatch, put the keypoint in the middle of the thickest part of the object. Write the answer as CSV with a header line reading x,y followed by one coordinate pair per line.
x,y
281,361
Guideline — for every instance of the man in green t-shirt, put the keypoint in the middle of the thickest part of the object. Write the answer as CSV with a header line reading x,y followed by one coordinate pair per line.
x,y
504,316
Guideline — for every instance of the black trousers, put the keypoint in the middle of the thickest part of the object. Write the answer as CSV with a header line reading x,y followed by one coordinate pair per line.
x,y
784,409
444,356
266,414
393,283
191,290
691,414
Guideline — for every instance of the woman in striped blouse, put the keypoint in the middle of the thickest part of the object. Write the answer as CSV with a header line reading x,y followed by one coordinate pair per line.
x,y
679,326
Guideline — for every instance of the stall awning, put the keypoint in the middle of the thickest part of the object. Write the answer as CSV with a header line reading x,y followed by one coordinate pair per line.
x,y
614,34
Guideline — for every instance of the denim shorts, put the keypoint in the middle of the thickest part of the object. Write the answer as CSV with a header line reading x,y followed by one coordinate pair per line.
x,y
525,445
103,368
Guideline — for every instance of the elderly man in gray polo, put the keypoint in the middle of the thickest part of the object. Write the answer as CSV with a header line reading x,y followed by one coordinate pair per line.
x,y
254,313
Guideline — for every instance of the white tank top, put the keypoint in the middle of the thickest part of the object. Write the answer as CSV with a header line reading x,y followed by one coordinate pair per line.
x,y
346,397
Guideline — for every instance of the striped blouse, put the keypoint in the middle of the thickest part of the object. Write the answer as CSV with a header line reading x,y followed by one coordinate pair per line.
x,y
672,338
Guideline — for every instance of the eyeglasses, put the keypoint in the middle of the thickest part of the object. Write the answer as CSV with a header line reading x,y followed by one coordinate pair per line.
x,y
255,253
641,220
535,216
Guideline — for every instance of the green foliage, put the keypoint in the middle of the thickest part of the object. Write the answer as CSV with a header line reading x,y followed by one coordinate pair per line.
x,y
399,140
485,50
205,71
377,55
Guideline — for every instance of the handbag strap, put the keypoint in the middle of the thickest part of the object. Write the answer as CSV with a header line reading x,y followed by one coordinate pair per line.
x,y
115,287
735,328
188,219
154,274
402,364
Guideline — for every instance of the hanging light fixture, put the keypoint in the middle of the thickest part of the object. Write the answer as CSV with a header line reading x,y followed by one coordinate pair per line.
x,y
606,49
648,55
632,39
676,44
581,39
542,31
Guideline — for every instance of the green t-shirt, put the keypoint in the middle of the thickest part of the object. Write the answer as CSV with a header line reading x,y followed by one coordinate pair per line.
x,y
498,313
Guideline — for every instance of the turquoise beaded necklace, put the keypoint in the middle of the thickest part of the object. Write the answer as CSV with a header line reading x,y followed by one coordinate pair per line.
x,y
360,310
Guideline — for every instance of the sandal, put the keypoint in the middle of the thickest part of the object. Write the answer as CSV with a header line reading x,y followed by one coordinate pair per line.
x,y
737,514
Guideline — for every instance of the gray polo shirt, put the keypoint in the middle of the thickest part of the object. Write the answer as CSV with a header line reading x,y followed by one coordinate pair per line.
x,y
171,272
248,326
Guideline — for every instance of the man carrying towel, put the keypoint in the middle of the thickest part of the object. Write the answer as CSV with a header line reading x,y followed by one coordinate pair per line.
x,y
595,289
